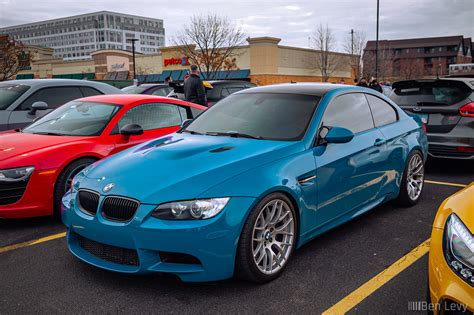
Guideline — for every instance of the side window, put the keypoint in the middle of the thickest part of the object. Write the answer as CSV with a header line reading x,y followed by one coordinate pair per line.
x,y
349,111
54,97
383,112
224,92
196,112
88,91
183,112
152,116
162,91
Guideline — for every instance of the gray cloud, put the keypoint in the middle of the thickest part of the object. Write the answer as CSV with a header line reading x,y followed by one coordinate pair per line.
x,y
293,21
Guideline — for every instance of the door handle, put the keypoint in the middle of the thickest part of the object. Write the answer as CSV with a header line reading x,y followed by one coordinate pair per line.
x,y
379,142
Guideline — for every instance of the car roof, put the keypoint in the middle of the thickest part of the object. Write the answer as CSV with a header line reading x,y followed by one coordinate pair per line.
x,y
51,82
130,100
309,88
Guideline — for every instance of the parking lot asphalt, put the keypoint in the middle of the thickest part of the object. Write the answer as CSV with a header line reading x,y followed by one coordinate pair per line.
x,y
46,278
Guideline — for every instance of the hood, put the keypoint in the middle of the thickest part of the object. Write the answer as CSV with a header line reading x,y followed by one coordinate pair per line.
x,y
182,166
15,145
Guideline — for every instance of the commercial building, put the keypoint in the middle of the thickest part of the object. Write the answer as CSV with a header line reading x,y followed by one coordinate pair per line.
x,y
263,61
76,37
416,57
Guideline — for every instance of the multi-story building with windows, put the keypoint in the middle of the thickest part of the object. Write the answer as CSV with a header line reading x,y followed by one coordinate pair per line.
x,y
75,37
417,57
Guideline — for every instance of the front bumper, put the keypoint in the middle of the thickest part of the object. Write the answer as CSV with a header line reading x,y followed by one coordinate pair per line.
x,y
37,199
444,284
212,242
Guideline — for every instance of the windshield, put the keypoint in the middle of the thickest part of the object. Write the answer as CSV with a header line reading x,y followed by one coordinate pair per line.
x,y
134,89
258,115
75,119
10,93
441,92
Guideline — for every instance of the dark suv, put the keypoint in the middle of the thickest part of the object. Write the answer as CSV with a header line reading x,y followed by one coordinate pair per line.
x,y
220,89
446,106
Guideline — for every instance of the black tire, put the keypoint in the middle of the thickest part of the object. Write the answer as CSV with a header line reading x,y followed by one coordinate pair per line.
x,y
404,198
246,267
63,181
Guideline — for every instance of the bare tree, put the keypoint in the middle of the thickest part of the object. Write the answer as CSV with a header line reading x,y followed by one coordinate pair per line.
x,y
354,46
385,64
14,57
208,41
409,68
324,41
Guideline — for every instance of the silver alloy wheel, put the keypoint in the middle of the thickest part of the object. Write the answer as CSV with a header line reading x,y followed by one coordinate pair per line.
x,y
273,236
416,173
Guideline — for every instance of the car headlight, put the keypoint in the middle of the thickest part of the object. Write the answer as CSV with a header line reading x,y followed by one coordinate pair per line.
x,y
191,209
459,248
16,174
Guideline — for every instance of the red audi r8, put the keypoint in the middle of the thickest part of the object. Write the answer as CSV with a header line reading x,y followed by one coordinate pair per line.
x,y
38,163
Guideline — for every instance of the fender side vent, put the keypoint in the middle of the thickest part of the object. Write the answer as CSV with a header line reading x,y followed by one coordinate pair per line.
x,y
222,149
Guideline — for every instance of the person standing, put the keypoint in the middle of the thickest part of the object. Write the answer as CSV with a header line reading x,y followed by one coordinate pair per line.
x,y
374,84
194,90
362,83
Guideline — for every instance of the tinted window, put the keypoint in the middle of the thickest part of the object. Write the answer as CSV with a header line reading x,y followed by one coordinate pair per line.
x,y
152,116
382,112
349,111
196,112
54,97
75,119
265,115
135,89
10,93
162,91
230,90
88,91
440,92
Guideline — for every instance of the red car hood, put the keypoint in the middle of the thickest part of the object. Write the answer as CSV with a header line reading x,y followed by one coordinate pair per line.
x,y
14,143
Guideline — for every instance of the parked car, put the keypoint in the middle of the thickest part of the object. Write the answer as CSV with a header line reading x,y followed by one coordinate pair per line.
x,y
447,107
215,90
148,88
240,187
386,90
451,257
22,101
37,164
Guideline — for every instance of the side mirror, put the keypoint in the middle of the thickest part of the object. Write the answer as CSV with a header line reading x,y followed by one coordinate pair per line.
x,y
131,130
338,135
37,106
186,123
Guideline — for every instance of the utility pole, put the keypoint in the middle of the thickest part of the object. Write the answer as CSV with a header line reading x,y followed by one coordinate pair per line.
x,y
377,45
352,42
133,40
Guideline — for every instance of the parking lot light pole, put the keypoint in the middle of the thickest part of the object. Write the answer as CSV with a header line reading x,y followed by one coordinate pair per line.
x,y
133,40
377,45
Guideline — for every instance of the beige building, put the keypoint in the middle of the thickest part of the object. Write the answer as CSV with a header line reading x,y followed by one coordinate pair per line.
x,y
263,61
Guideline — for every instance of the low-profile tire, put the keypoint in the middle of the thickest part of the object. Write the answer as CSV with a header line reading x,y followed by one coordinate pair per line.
x,y
268,239
64,181
411,186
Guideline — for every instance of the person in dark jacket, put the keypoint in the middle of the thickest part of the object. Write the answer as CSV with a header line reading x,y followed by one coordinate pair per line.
x,y
194,90
362,83
374,84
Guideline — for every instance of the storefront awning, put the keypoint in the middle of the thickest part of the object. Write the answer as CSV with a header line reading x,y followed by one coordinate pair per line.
x,y
25,76
77,76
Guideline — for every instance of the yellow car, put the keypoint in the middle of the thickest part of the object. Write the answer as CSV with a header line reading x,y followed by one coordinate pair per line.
x,y
451,257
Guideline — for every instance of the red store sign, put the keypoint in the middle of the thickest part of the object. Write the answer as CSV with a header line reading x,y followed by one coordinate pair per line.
x,y
176,61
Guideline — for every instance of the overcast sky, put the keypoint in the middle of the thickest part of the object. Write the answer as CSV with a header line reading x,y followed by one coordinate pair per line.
x,y
292,21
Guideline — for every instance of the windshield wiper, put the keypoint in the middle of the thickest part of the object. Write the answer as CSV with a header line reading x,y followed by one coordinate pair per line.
x,y
48,133
233,134
191,132
429,103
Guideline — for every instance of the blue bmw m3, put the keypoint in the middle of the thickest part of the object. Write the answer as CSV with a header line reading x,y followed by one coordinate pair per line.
x,y
243,185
